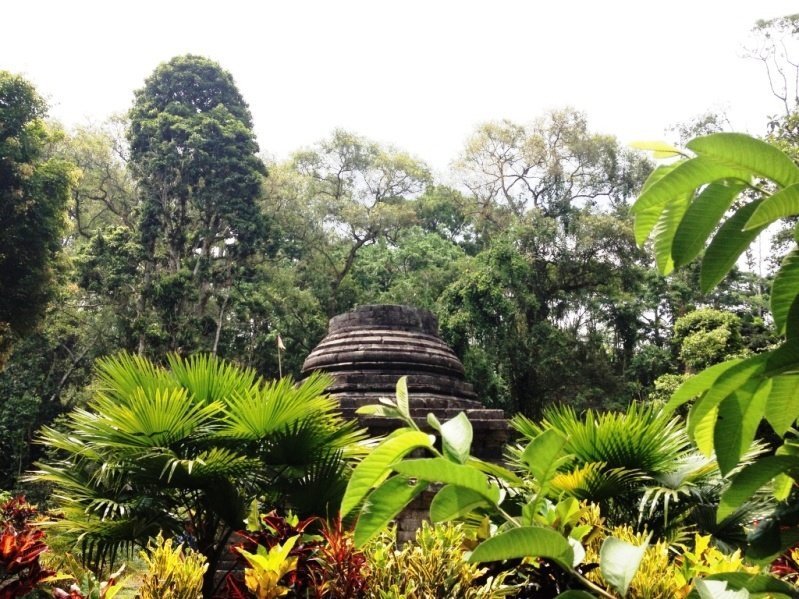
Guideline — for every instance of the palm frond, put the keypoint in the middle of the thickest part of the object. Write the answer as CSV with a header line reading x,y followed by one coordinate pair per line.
x,y
595,482
208,378
259,412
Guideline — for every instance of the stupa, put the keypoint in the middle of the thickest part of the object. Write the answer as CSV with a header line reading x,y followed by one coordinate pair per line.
x,y
368,349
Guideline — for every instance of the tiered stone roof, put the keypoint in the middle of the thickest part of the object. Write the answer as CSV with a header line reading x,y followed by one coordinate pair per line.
x,y
368,349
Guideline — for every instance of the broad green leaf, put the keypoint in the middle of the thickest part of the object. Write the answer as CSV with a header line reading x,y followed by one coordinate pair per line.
x,y
784,359
737,420
383,505
785,289
782,407
665,229
781,204
783,485
754,583
728,244
659,149
442,470
495,470
453,502
746,152
701,418
456,436
619,561
750,479
527,541
701,219
375,467
717,589
646,219
792,324
378,410
698,384
543,455
685,178
402,397
575,594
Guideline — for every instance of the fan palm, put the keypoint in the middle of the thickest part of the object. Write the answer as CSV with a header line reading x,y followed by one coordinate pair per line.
x,y
637,465
186,449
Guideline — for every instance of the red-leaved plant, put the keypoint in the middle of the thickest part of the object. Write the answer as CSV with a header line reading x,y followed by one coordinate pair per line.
x,y
272,530
344,568
21,545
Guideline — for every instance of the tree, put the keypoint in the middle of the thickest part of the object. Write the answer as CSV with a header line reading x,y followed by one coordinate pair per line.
x,y
193,154
549,166
360,193
535,313
185,450
33,198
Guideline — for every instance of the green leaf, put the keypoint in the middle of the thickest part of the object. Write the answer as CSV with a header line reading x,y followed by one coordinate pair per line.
x,y
383,505
728,244
698,384
685,178
376,466
792,324
378,410
665,230
443,471
456,436
755,583
746,152
575,594
750,479
453,502
659,149
702,417
717,589
783,203
527,541
738,417
782,409
544,455
619,561
701,218
402,397
784,359
785,289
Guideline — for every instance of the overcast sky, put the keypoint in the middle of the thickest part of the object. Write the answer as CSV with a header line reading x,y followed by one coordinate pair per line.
x,y
417,74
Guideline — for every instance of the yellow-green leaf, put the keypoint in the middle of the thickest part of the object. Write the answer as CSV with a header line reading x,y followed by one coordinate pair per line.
x,y
785,289
728,244
742,151
376,466
526,541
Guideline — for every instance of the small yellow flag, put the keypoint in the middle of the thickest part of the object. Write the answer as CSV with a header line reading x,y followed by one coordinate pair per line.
x,y
280,345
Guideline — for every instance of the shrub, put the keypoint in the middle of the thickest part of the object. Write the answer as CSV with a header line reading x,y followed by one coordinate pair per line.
x,y
173,572
21,547
432,566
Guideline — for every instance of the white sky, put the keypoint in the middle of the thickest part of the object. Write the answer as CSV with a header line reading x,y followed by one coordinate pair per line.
x,y
417,74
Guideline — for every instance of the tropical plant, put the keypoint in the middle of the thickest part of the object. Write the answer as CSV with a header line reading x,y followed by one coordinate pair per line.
x,y
173,572
87,586
527,525
21,547
432,566
268,568
266,531
731,186
344,568
638,466
185,450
